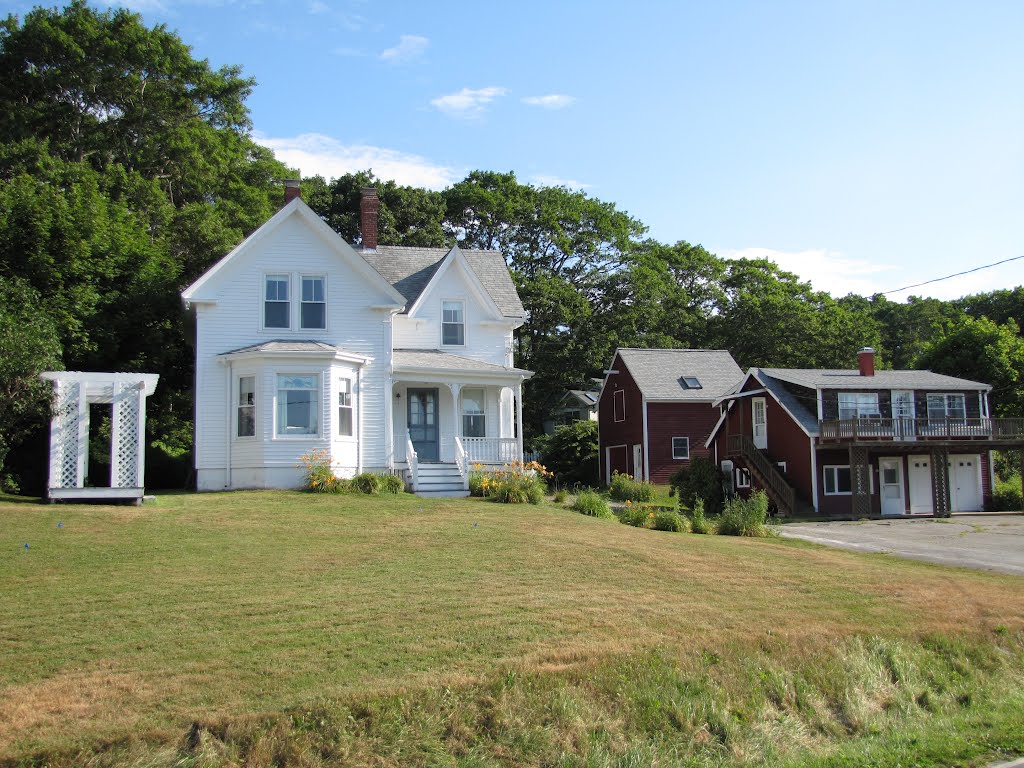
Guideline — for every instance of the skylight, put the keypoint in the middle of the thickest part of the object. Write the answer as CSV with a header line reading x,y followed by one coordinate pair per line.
x,y
690,382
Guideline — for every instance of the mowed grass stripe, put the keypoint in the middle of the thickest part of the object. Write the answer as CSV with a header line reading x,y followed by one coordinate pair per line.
x,y
251,602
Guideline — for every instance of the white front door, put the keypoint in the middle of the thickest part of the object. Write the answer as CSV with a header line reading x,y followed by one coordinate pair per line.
x,y
965,483
760,422
903,414
919,475
638,465
890,472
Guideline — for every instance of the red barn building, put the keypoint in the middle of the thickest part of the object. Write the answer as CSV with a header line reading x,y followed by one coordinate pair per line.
x,y
655,412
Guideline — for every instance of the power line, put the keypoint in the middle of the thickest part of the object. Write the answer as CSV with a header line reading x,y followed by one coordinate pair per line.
x,y
948,277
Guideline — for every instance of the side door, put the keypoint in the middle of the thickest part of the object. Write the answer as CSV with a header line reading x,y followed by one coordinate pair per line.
x,y
759,419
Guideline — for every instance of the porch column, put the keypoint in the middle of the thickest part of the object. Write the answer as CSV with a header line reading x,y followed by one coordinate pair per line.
x,y
519,419
940,482
389,422
860,481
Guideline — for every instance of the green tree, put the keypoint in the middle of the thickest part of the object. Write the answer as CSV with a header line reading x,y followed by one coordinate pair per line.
x,y
28,346
571,453
982,351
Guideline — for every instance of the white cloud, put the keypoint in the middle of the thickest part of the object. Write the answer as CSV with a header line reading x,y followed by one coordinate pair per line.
x,y
544,180
829,271
315,153
409,48
550,101
468,103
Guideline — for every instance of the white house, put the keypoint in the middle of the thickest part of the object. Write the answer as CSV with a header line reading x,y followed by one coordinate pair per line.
x,y
388,358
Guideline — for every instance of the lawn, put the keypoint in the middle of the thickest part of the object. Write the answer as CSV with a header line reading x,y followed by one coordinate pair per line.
x,y
121,627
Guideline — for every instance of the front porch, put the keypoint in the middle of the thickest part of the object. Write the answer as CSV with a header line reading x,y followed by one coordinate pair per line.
x,y
448,413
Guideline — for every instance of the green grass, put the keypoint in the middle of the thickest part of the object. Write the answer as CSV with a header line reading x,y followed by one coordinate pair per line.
x,y
470,633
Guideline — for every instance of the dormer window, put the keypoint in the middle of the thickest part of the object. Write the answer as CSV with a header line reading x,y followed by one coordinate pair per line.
x,y
453,324
276,307
690,382
313,308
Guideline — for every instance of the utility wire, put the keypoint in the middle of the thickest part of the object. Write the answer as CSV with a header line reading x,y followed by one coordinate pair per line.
x,y
948,277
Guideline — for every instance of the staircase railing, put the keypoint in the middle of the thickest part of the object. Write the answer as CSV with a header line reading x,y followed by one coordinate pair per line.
x,y
779,491
462,462
413,461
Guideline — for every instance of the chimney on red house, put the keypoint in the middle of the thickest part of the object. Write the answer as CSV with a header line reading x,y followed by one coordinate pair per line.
x,y
292,189
866,361
369,207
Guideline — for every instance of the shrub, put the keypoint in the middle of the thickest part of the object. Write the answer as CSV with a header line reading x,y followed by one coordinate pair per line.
x,y
515,483
476,483
699,523
625,488
701,480
745,517
391,483
320,478
637,515
1007,497
367,482
571,453
560,496
669,520
592,504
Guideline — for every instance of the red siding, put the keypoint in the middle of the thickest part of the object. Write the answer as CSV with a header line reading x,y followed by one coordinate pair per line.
x,y
614,433
668,420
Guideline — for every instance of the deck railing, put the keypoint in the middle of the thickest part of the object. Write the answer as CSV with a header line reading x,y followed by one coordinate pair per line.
x,y
462,461
492,450
907,430
413,461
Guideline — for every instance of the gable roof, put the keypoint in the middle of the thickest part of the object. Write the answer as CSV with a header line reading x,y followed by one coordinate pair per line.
x,y
410,270
297,208
587,398
802,416
657,372
829,378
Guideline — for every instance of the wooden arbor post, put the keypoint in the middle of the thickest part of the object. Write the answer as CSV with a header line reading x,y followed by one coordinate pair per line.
x,y
860,481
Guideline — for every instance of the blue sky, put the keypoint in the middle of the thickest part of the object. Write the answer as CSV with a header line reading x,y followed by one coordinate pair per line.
x,y
864,146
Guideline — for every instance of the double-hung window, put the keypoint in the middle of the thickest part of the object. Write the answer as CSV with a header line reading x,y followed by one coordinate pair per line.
x,y
946,406
473,424
345,407
858,405
246,406
298,405
313,307
276,307
681,448
453,324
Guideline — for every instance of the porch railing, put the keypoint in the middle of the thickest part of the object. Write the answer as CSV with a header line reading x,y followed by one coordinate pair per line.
x,y
462,462
413,462
492,450
871,428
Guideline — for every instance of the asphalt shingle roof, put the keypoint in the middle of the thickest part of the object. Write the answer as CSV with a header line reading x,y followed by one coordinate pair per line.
x,y
808,419
409,270
435,358
657,372
286,346
824,378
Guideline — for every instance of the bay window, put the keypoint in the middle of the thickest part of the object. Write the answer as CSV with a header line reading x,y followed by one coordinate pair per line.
x,y
246,406
345,407
298,405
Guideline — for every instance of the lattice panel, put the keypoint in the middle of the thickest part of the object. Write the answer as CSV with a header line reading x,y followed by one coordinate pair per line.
x,y
66,434
860,481
940,483
125,450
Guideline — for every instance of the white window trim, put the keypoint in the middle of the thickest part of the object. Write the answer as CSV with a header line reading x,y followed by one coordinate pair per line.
x,y
742,473
945,402
782,466
681,458
824,476
465,324
239,406
615,394
350,377
300,302
318,435
263,302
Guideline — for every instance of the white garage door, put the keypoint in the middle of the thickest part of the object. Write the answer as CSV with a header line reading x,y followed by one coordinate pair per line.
x,y
965,483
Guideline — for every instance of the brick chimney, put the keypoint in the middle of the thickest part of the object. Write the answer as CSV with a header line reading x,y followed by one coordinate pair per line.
x,y
292,189
866,361
369,207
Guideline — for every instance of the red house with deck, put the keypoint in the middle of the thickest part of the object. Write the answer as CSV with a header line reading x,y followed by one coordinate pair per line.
x,y
656,409
861,442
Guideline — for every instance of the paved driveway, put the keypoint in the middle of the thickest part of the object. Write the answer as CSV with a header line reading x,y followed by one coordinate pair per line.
x,y
986,542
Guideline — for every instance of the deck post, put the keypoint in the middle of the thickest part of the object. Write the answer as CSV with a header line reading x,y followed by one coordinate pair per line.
x,y
860,481
940,482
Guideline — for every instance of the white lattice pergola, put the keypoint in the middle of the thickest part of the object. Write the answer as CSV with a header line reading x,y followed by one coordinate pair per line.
x,y
74,392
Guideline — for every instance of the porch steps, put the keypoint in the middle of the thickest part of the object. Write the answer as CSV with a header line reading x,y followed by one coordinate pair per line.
x,y
440,480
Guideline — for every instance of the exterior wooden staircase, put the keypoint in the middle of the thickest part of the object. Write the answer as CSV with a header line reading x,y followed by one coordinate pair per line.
x,y
780,492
